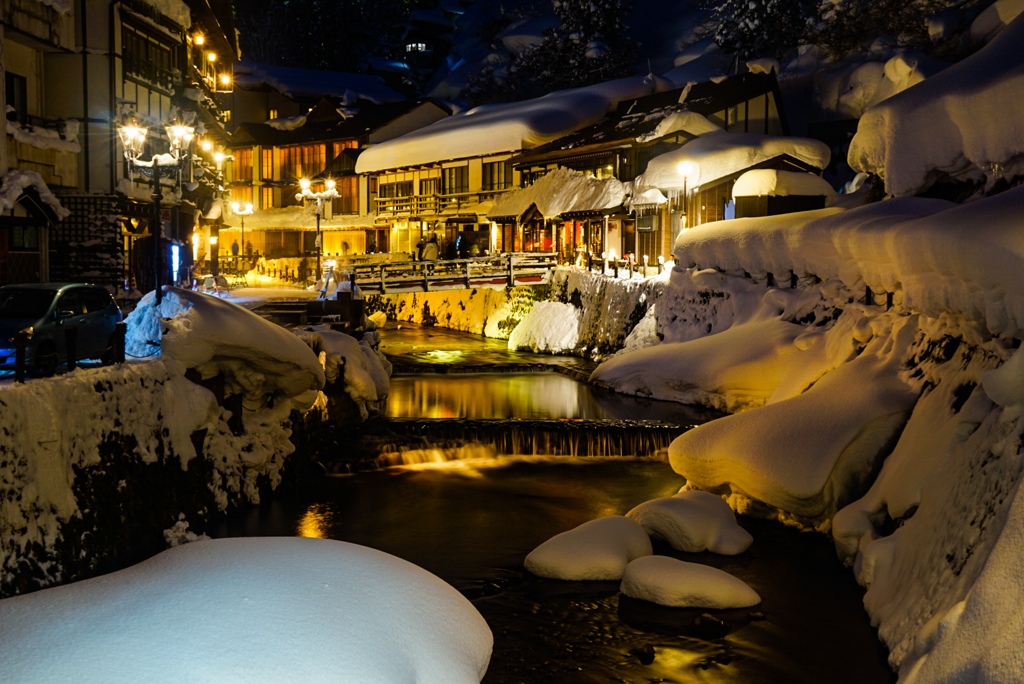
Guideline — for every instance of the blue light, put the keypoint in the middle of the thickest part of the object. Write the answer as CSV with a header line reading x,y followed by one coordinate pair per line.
x,y
175,262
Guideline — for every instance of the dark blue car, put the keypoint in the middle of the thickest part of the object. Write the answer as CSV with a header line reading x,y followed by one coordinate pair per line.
x,y
44,311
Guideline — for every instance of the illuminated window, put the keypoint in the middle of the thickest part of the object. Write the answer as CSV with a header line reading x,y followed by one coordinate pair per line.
x,y
267,163
266,198
273,113
416,47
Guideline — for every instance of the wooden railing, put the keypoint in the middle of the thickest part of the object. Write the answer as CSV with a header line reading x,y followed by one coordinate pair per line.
x,y
519,268
418,205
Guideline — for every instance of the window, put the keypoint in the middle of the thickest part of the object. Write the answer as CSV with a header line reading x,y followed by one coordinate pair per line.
x,y
301,161
266,198
242,168
267,163
347,201
455,180
400,189
497,176
17,92
241,194
95,300
416,47
430,186
273,114
346,145
146,58
24,238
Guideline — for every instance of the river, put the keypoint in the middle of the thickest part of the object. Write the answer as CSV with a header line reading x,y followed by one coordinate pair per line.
x,y
472,516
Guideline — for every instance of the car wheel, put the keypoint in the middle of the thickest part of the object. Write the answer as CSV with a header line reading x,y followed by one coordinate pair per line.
x,y
46,359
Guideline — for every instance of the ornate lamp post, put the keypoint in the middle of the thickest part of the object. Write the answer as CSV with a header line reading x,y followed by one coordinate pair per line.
x,y
241,214
133,137
328,194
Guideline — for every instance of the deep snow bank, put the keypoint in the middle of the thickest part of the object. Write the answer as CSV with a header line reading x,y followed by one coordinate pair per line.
x,y
889,412
97,463
952,125
249,610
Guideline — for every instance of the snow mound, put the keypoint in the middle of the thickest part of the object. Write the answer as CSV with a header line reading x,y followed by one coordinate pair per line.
x,y
596,550
494,129
549,327
693,521
952,125
774,183
249,610
994,19
670,582
852,89
216,337
366,371
810,467
718,154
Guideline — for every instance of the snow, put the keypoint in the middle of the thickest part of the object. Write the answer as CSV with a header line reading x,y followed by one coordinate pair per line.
x,y
953,124
718,154
366,371
549,327
525,34
298,217
850,89
596,550
14,183
288,123
310,83
763,65
774,183
175,10
495,129
685,121
46,138
693,521
675,583
216,337
250,610
560,191
994,19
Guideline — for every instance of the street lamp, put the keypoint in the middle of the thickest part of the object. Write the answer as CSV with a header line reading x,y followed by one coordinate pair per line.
x,y
686,170
328,194
133,137
241,214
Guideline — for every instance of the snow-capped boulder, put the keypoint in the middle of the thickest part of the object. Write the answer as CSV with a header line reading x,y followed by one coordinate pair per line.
x,y
596,550
249,610
671,582
549,327
693,521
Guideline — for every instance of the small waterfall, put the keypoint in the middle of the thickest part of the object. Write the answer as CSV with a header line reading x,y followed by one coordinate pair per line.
x,y
418,441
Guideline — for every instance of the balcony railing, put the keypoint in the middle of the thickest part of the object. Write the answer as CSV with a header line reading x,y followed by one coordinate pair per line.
x,y
420,205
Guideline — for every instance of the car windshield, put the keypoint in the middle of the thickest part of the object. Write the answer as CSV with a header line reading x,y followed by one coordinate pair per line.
x,y
24,303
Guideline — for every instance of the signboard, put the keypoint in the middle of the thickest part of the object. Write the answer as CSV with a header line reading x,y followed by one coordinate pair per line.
x,y
646,224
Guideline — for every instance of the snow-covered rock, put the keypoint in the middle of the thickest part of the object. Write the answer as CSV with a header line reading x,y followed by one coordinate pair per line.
x,y
249,610
693,521
596,550
952,125
549,327
670,582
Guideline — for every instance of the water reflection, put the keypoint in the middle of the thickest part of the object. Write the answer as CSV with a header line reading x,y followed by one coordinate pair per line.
x,y
524,396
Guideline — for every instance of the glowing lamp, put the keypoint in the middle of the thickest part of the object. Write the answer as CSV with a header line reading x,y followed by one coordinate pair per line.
x,y
211,56
207,146
225,79
686,170
200,39
330,184
304,184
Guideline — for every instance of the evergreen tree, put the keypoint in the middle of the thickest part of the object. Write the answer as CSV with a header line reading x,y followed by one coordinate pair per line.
x,y
590,45
760,28
849,25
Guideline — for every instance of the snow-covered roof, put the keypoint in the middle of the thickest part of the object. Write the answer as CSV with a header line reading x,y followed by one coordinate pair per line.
x,y
719,154
559,192
775,183
13,184
960,123
297,217
310,83
494,129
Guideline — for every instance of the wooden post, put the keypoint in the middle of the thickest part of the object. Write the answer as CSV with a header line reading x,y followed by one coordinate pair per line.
x,y
511,272
383,287
468,286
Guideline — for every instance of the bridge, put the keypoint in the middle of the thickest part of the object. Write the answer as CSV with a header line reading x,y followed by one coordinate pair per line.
x,y
505,270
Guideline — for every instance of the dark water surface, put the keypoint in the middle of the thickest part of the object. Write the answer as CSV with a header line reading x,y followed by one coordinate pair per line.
x,y
472,524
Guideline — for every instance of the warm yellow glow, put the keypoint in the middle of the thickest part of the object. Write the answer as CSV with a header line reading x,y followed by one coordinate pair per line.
x,y
211,56
218,157
225,79
313,523
200,39
330,184
195,238
248,207
213,239
207,145
611,255
686,169
304,184
234,207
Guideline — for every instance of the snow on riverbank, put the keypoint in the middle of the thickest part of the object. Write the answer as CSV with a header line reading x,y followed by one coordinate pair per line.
x,y
876,402
69,437
249,610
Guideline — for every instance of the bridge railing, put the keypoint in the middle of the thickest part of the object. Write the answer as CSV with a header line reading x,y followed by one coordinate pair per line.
x,y
518,268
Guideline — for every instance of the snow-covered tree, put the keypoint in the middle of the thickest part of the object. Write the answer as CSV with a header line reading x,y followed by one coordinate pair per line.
x,y
760,28
845,25
590,45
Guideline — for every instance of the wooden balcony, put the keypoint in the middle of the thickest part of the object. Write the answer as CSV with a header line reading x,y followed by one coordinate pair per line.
x,y
434,205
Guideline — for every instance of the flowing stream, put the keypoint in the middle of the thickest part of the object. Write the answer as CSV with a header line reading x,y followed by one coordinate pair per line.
x,y
479,488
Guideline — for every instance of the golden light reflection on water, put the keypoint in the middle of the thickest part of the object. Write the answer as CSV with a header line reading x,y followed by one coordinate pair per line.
x,y
313,523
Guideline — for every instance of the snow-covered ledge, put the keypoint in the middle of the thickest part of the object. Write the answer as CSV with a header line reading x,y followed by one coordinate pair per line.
x,y
14,182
